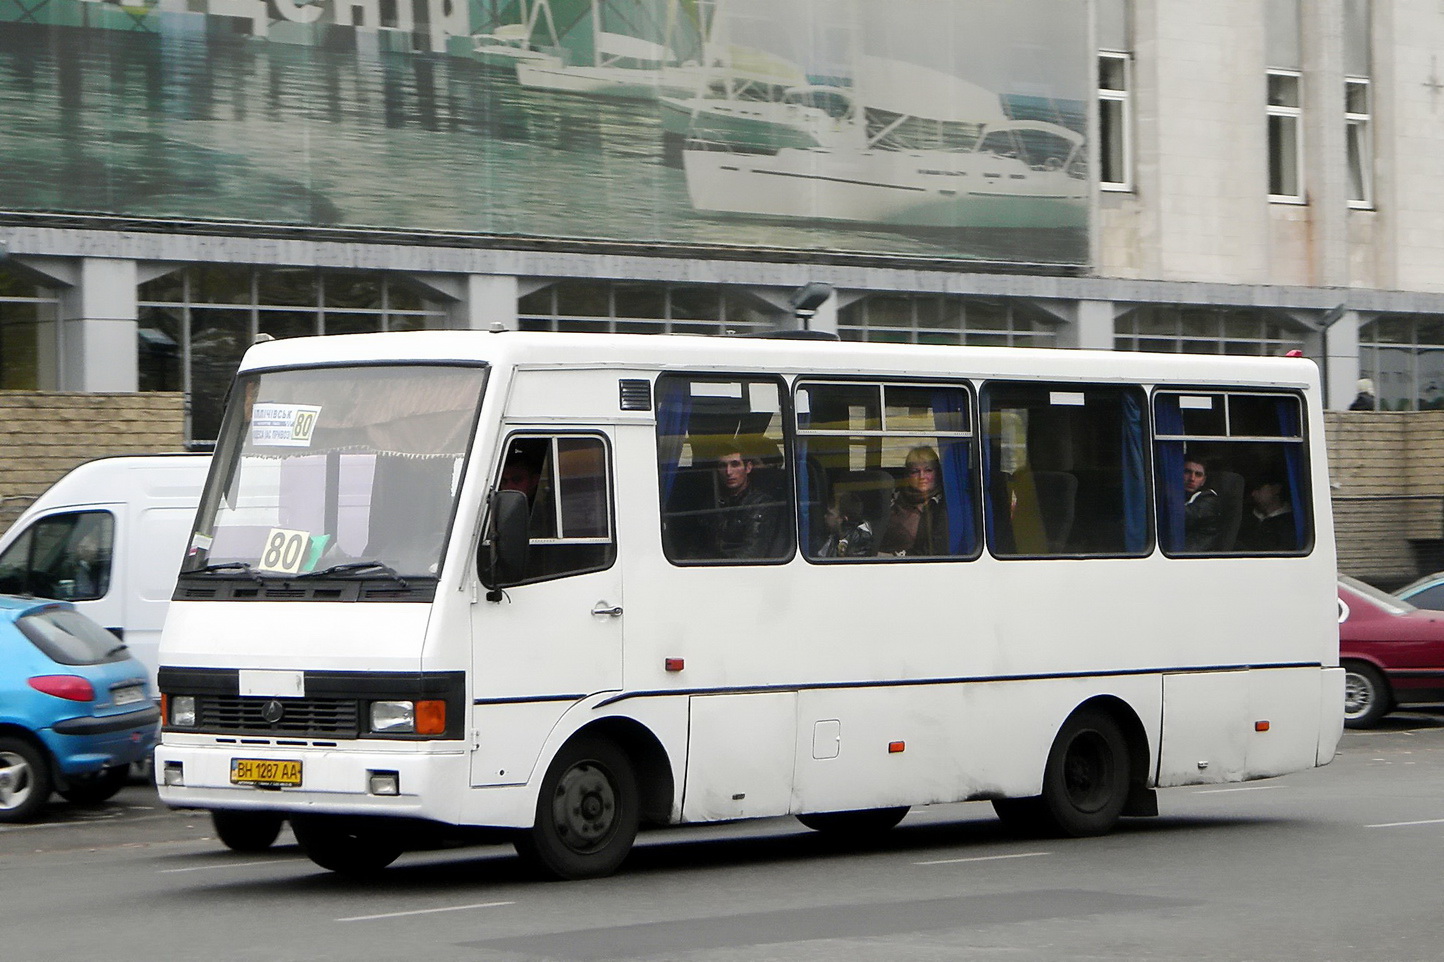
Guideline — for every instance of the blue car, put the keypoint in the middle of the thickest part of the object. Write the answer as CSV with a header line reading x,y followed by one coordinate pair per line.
x,y
1427,592
75,708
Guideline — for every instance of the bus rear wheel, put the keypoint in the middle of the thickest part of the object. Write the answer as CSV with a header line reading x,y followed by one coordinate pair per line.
x,y
867,821
587,813
345,846
1085,782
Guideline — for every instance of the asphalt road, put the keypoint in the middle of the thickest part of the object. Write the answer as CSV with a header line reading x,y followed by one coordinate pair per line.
x,y
1340,863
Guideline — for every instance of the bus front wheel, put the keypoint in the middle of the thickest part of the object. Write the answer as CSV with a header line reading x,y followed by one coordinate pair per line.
x,y
246,831
345,846
587,813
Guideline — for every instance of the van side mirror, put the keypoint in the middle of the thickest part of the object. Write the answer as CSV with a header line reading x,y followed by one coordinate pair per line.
x,y
505,550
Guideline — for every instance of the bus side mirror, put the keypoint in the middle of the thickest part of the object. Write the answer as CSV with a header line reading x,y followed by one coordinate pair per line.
x,y
506,550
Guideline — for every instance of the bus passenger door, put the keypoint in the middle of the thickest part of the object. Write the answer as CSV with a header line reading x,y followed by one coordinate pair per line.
x,y
556,636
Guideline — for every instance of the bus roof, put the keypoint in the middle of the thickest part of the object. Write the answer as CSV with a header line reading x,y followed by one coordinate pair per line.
x,y
775,355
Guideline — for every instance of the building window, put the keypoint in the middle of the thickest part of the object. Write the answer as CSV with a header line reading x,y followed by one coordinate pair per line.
x,y
1404,355
631,307
1172,329
195,324
1358,113
1115,143
1285,155
27,334
943,319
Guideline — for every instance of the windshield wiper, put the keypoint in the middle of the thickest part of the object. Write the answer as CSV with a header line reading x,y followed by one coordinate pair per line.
x,y
351,567
244,566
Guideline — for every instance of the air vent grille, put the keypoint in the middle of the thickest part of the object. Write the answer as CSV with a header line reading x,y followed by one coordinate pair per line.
x,y
636,394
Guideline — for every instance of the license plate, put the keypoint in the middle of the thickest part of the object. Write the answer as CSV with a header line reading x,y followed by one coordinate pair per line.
x,y
128,695
265,771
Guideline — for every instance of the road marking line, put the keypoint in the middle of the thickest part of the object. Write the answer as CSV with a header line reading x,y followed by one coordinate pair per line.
x,y
208,868
449,908
1425,821
1246,788
980,858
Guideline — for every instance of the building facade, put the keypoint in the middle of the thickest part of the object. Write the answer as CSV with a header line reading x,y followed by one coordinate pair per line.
x,y
1242,176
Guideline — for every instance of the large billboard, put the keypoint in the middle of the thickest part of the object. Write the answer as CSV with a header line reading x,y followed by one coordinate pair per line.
x,y
925,128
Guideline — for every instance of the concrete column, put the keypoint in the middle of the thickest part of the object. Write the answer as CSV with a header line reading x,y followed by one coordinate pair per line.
x,y
1092,328
1325,171
826,317
98,331
1341,361
488,299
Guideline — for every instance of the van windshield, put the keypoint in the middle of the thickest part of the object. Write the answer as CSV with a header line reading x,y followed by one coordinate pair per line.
x,y
341,471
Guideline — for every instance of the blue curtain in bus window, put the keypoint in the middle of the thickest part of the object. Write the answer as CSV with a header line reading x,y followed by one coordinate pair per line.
x,y
1290,427
1169,420
1135,491
808,507
949,410
674,412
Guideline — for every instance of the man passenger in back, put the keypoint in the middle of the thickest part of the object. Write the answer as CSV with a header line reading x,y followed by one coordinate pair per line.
x,y
747,520
1201,508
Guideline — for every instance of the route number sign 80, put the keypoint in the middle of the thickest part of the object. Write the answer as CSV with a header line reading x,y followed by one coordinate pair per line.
x,y
285,550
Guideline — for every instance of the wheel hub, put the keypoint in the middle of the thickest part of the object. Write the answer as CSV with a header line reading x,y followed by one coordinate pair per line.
x,y
585,807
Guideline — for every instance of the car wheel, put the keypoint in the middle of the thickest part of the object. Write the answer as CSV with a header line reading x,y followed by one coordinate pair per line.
x,y
1367,697
587,814
344,845
247,831
97,788
864,822
25,781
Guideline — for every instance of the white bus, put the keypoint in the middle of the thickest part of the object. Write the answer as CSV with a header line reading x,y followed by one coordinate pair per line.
x,y
565,585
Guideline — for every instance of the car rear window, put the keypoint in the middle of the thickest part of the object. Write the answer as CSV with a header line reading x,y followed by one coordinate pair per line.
x,y
70,638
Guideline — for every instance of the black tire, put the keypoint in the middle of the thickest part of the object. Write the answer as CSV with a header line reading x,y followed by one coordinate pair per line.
x,y
1367,696
25,780
861,823
347,846
247,831
587,813
97,788
1085,782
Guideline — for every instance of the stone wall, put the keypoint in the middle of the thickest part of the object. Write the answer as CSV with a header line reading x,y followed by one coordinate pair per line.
x,y
1386,470
45,434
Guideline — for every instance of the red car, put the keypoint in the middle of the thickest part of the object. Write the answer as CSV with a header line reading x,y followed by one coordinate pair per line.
x,y
1393,653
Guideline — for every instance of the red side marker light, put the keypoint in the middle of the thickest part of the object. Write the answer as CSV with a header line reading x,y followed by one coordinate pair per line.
x,y
1260,726
1294,353
675,664
894,748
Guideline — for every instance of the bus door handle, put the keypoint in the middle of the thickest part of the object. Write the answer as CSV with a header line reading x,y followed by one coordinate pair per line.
x,y
602,608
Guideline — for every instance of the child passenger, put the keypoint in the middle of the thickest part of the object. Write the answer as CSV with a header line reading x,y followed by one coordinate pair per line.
x,y
849,534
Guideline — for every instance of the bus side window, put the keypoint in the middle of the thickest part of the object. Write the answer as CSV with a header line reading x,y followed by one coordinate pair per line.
x,y
1064,468
723,470
1232,473
889,471
567,481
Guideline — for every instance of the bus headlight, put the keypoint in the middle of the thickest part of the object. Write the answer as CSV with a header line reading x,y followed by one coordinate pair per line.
x,y
183,711
393,716
427,717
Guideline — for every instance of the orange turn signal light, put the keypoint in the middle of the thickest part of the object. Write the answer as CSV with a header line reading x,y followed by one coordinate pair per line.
x,y
675,664
431,717
1260,726
894,747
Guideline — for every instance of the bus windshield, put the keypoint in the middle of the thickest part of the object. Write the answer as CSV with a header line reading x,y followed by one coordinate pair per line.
x,y
337,471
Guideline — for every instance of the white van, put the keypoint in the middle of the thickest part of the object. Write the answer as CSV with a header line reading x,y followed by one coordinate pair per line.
x,y
109,536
